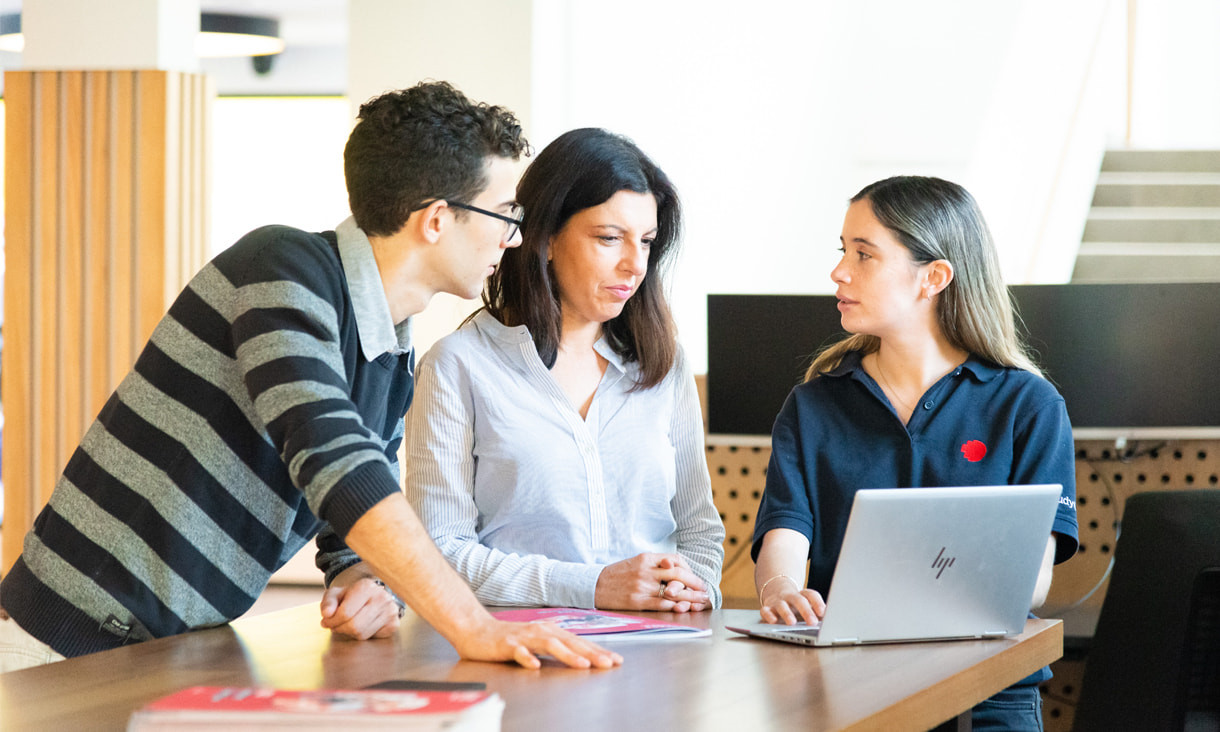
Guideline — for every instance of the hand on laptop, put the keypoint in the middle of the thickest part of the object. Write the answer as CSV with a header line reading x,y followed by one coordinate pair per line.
x,y
785,602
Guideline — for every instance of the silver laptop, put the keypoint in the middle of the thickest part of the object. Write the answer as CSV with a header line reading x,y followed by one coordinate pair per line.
x,y
923,564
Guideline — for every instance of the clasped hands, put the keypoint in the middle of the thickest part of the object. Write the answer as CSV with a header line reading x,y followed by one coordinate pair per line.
x,y
651,581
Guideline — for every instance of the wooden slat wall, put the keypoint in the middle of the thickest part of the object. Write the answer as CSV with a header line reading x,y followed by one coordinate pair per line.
x,y
105,205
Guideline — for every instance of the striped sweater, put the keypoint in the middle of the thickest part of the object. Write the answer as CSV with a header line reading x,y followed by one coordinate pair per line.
x,y
251,421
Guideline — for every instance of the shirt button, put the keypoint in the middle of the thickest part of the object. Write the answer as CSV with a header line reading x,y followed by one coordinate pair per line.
x,y
928,405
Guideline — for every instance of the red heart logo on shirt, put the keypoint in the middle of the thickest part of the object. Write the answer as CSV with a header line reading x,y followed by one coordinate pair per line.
x,y
974,451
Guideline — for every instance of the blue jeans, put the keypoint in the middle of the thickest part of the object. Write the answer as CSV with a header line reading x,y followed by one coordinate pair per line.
x,y
1015,709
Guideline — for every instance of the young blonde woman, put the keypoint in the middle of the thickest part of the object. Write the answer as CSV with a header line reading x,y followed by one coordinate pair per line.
x,y
933,388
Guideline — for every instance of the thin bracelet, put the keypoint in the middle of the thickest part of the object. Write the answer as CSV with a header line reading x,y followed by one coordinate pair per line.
x,y
778,576
402,606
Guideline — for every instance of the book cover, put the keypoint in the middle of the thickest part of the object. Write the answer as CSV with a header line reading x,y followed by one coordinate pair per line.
x,y
604,626
239,708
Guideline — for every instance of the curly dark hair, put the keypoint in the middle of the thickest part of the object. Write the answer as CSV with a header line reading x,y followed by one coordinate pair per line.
x,y
416,145
581,169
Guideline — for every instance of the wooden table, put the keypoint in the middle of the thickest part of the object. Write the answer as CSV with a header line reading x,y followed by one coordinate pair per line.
x,y
722,682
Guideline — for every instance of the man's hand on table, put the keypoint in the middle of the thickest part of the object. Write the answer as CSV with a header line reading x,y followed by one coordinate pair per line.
x,y
498,640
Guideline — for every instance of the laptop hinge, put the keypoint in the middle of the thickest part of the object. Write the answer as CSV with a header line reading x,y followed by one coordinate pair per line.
x,y
845,642
995,634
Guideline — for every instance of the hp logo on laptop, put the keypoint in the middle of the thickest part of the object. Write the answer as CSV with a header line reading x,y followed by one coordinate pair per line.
x,y
942,562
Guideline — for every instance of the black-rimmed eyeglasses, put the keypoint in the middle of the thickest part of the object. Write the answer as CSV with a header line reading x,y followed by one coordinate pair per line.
x,y
513,219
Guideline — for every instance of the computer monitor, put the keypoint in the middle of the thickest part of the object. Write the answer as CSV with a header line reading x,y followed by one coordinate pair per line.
x,y
758,347
1133,361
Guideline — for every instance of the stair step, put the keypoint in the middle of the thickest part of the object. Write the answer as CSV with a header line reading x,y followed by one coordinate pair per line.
x,y
1157,177
1157,194
1161,268
1155,218
1163,229
1149,248
1201,161
1152,213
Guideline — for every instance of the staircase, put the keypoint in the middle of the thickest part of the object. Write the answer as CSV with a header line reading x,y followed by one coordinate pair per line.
x,y
1155,218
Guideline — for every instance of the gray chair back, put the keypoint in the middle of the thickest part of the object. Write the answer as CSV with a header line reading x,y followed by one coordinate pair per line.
x,y
1154,661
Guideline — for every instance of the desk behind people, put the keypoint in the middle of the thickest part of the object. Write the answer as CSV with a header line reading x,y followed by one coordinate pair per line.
x,y
722,682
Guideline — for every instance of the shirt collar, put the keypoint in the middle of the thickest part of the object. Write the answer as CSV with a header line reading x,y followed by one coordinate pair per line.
x,y
980,368
516,335
609,354
847,365
378,332
499,332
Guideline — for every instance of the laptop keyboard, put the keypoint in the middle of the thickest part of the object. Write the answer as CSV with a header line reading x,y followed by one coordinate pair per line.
x,y
810,632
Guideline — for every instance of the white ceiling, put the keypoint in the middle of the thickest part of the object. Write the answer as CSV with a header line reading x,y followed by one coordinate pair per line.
x,y
302,22
315,48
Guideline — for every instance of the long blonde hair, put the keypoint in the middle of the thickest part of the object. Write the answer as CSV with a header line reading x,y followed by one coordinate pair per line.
x,y
935,219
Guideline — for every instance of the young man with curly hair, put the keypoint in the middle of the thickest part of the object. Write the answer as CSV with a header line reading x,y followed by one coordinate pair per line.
x,y
267,408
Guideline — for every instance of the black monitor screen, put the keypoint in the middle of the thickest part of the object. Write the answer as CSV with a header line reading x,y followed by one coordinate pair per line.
x,y
1129,359
758,347
1139,358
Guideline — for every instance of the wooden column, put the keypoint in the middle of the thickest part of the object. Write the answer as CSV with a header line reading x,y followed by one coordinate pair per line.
x,y
105,203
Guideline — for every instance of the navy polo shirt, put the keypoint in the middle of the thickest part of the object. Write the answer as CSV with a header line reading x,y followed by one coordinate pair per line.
x,y
981,424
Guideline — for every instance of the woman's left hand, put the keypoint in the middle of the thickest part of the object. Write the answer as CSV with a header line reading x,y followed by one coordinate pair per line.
x,y
649,581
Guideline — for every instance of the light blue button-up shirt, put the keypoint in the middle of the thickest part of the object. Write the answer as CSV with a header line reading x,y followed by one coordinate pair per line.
x,y
527,500
378,332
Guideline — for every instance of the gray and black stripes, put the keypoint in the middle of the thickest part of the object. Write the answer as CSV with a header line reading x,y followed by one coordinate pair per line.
x,y
241,423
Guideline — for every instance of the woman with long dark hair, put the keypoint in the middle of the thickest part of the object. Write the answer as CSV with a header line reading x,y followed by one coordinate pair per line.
x,y
555,445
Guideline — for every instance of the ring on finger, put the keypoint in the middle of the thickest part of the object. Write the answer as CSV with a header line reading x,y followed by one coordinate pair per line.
x,y
661,592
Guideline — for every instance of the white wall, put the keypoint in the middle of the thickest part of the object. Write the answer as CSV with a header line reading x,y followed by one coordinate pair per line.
x,y
767,114
481,46
1053,107
277,161
117,34
1177,74
735,107
769,120
313,70
770,115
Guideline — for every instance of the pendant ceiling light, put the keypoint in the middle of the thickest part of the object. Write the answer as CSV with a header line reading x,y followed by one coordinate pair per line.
x,y
10,33
229,34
